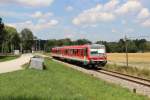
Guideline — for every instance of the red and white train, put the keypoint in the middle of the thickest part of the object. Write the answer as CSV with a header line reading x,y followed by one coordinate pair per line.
x,y
94,54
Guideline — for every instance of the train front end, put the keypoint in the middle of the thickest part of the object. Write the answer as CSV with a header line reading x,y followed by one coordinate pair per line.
x,y
97,55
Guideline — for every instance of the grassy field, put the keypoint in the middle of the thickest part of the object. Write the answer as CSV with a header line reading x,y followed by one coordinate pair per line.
x,y
6,58
59,82
140,60
143,73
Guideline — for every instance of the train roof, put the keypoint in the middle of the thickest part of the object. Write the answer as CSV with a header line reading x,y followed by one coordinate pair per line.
x,y
79,46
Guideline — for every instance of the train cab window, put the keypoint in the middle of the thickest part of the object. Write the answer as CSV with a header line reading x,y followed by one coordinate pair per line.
x,y
97,50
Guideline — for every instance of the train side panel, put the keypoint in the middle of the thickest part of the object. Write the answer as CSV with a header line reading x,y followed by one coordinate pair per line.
x,y
80,54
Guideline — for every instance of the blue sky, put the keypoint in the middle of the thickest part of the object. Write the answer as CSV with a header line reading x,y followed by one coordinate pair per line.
x,y
95,20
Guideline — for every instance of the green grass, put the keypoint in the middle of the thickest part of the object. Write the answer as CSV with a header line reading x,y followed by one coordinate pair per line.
x,y
6,58
59,82
144,73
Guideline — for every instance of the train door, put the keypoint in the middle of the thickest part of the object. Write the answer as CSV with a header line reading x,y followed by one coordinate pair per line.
x,y
85,53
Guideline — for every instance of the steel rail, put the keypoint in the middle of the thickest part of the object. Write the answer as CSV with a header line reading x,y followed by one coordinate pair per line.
x,y
147,80
124,77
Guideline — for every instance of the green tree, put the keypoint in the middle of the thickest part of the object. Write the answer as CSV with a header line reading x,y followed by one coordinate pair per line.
x,y
82,42
1,28
50,44
132,48
2,34
147,46
64,42
12,38
142,45
113,47
121,46
27,39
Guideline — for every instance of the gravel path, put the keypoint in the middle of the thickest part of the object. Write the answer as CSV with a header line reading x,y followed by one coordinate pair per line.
x,y
13,65
140,89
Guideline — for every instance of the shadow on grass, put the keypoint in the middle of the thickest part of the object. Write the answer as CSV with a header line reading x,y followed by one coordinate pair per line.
x,y
8,57
20,98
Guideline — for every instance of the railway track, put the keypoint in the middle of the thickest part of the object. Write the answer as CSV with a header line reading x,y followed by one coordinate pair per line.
x,y
134,79
135,84
130,78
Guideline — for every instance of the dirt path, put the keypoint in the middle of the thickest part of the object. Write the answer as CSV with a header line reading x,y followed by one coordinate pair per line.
x,y
13,65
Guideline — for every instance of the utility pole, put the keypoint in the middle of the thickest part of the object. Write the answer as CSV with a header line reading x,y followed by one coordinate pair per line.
x,y
126,47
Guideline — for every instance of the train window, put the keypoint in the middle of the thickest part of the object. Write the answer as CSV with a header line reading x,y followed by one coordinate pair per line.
x,y
78,52
65,52
85,52
82,54
70,52
75,52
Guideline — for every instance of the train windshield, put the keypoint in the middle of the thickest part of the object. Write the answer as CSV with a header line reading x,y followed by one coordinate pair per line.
x,y
97,51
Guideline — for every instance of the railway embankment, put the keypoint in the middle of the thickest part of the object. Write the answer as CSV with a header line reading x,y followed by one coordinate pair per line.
x,y
131,85
143,73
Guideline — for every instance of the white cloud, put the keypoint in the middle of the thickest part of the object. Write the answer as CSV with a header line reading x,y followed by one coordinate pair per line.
x,y
39,14
69,8
111,5
93,15
144,13
95,9
146,23
107,12
32,3
35,27
129,6
113,10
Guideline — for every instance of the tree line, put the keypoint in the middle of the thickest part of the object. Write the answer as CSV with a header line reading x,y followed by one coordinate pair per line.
x,y
137,45
133,46
11,40
25,41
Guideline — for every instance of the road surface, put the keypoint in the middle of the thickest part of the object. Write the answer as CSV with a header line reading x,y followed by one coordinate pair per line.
x,y
13,65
